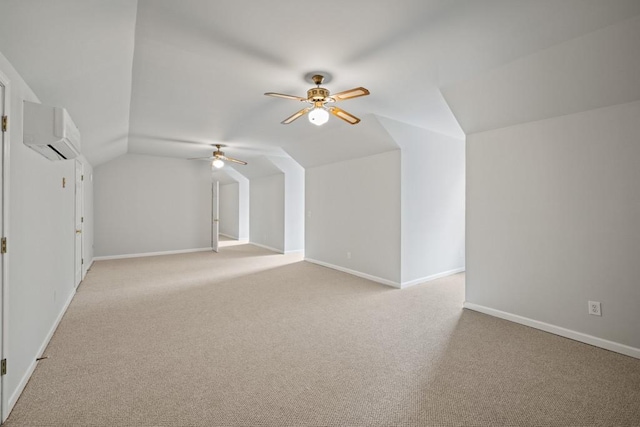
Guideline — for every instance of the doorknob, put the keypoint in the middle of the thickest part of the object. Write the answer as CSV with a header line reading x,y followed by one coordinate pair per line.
x,y
78,231
216,220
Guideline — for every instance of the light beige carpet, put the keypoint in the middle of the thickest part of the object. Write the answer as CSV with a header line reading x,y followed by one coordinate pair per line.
x,y
250,338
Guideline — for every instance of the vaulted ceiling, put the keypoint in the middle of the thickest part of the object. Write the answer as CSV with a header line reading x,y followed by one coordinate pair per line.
x,y
169,78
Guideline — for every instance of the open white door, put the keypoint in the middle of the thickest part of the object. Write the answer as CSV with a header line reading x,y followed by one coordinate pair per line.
x,y
215,210
4,190
79,221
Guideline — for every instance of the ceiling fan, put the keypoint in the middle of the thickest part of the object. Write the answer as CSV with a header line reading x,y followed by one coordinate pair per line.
x,y
219,158
319,98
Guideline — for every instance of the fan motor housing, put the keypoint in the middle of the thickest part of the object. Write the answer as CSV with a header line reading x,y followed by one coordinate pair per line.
x,y
317,94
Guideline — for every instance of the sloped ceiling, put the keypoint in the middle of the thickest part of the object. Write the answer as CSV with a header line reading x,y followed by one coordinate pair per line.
x,y
596,70
170,78
338,143
77,55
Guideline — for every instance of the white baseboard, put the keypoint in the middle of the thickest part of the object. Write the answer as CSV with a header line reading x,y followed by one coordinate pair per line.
x,y
266,247
238,241
229,236
557,330
432,277
181,251
355,273
27,375
85,271
296,251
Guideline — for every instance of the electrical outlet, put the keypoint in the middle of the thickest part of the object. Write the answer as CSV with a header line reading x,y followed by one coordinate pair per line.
x,y
348,255
594,308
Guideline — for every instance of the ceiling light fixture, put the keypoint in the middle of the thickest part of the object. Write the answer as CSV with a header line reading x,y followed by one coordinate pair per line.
x,y
219,158
318,116
321,102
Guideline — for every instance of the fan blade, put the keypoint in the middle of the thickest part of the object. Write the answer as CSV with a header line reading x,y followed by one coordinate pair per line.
x,y
347,117
351,93
296,115
231,159
201,158
281,95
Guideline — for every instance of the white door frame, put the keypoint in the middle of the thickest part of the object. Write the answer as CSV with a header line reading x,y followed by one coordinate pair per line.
x,y
4,232
78,222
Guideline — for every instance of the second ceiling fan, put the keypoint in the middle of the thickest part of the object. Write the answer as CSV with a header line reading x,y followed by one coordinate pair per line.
x,y
218,158
321,100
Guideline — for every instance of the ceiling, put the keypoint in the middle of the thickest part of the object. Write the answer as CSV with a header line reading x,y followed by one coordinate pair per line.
x,y
169,78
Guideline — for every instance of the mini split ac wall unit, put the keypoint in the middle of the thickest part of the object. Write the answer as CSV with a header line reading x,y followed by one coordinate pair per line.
x,y
50,131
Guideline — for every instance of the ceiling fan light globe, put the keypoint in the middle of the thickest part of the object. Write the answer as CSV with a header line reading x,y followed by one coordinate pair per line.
x,y
217,163
318,116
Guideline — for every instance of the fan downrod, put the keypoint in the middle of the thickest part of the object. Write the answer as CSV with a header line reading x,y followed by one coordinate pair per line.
x,y
317,79
310,77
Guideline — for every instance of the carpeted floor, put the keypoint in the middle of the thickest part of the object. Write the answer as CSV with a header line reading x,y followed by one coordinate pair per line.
x,y
250,338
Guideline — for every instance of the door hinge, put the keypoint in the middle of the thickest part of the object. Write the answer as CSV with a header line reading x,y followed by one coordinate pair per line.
x,y
3,367
81,219
5,123
3,248
81,177
82,261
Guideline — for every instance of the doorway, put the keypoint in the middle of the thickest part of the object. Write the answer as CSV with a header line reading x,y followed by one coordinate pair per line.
x,y
215,219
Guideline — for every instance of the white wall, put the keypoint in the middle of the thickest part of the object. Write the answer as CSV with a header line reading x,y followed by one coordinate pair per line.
x,y
229,210
147,204
41,239
243,201
244,197
553,209
267,212
294,210
293,203
354,206
433,186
